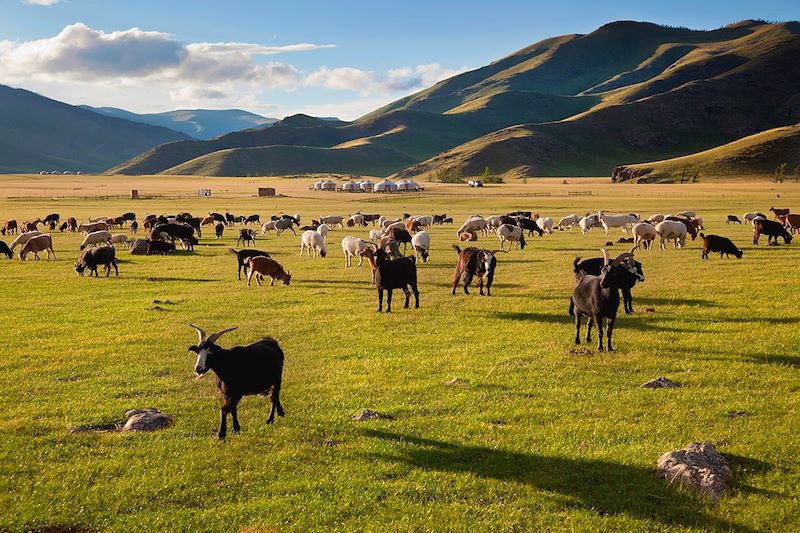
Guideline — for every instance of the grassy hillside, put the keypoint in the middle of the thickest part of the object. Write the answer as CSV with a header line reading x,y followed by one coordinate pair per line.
x,y
37,133
196,123
755,154
575,104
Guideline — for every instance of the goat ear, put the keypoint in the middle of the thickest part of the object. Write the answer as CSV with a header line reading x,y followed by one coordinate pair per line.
x,y
195,349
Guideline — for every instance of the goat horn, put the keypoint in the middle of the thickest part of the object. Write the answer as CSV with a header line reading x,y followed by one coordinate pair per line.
x,y
633,249
605,256
201,333
214,336
620,258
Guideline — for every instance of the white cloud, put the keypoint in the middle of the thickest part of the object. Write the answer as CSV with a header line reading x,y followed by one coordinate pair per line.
x,y
367,82
41,2
191,95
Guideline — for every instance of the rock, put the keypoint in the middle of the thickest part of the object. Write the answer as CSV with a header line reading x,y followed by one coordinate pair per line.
x,y
456,381
367,414
661,382
138,247
146,420
609,243
698,466
579,350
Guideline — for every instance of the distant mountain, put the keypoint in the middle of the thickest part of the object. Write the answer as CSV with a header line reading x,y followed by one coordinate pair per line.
x,y
755,154
197,123
574,105
37,133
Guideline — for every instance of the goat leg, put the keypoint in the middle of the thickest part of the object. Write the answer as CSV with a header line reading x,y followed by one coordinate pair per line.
x,y
416,295
467,282
589,324
380,299
389,300
610,328
577,328
235,415
598,322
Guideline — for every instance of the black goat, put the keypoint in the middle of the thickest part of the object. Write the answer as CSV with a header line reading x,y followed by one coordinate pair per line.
x,y
628,276
219,229
176,231
253,218
134,227
229,219
129,216
4,249
771,229
241,371
245,236
733,219
473,262
597,297
723,245
52,217
394,274
241,255
94,257
159,247
530,225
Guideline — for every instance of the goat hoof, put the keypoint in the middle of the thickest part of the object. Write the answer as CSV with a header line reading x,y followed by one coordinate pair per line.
x,y
221,436
236,431
270,420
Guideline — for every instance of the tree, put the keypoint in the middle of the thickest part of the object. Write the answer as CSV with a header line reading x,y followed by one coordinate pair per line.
x,y
797,174
779,174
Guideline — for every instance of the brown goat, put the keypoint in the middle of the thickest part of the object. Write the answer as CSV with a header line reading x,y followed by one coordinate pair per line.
x,y
779,212
31,225
10,227
261,266
412,226
793,222
37,244
469,235
473,262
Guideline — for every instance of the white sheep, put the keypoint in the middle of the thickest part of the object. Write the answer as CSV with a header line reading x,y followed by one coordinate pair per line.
x,y
510,233
23,238
120,238
312,240
545,224
355,247
474,223
96,237
644,234
672,230
267,227
617,221
421,242
656,218
323,230
568,221
332,221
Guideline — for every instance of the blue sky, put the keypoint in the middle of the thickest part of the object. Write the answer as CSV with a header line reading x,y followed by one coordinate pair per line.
x,y
340,58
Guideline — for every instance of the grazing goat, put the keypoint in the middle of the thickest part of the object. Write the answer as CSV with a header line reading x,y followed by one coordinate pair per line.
x,y
159,247
597,297
778,212
748,217
771,229
691,226
474,223
733,219
687,214
332,221
545,224
246,236
473,262
617,221
120,238
644,234
253,218
401,236
424,221
356,220
261,266
94,257
389,274
10,227
448,220
219,229
283,224
421,242
656,218
22,238
510,233
587,223
355,247
95,226
629,275
312,240
31,225
96,238
568,221
5,250
52,217
723,245
241,255
531,225
670,229
241,371
37,244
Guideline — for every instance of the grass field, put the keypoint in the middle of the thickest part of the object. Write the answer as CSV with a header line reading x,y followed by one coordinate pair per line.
x,y
531,437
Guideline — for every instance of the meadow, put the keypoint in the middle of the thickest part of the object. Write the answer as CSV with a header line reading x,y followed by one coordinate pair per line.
x,y
493,421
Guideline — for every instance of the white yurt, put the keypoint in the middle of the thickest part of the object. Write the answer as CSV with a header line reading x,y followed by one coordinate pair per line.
x,y
402,185
412,185
328,185
385,186
351,186
318,185
366,185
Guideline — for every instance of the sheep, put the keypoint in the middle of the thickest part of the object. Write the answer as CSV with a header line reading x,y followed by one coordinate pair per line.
x,y
355,247
771,229
748,217
332,221
241,255
644,234
545,224
219,229
96,238
510,233
733,219
375,235
656,218
388,274
5,250
241,371
723,245
686,214
617,221
24,237
120,238
473,262
312,240
38,244
246,236
475,223
94,257
421,242
323,230
568,221
671,229
597,297
261,266
628,277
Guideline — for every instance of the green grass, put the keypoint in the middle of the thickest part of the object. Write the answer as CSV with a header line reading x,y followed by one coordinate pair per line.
x,y
534,438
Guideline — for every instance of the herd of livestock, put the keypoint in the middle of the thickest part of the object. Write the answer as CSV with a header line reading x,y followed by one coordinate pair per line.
x,y
257,368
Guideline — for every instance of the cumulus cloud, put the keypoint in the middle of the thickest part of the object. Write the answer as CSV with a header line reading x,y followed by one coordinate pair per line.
x,y
367,82
197,94
41,2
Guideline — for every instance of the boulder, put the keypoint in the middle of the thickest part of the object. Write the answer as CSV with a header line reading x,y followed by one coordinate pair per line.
x,y
138,247
367,414
698,466
662,382
146,420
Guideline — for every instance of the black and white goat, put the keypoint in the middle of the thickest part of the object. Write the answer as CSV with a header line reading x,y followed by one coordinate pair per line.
x,y
241,371
628,276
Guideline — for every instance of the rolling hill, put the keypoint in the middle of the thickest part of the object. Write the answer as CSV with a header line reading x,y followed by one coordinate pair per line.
x,y
567,106
197,123
37,133
755,154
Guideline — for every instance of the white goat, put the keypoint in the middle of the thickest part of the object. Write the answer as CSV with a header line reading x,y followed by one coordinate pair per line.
x,y
95,238
355,247
617,221
687,214
510,233
376,234
545,224
587,223
23,238
267,227
568,221
120,238
424,221
672,230
312,240
474,223
421,242
332,221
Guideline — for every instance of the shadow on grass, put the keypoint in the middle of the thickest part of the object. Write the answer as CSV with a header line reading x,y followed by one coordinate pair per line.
x,y
601,487
623,321
165,278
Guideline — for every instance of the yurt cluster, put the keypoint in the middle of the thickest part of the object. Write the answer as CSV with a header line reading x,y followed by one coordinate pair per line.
x,y
383,186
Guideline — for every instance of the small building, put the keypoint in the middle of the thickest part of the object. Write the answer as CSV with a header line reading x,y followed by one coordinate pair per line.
x,y
266,191
203,193
385,186
134,194
328,185
366,185
318,185
351,186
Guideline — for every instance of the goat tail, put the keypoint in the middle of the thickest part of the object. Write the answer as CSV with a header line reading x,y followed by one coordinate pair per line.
x,y
231,250
456,248
575,263
571,307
